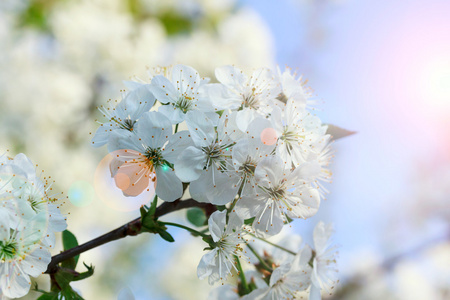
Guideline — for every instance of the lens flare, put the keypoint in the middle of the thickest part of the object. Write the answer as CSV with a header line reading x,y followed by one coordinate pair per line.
x,y
111,189
269,136
81,193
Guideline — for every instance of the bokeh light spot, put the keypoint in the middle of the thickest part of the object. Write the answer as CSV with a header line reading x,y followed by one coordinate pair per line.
x,y
111,190
122,181
269,136
81,193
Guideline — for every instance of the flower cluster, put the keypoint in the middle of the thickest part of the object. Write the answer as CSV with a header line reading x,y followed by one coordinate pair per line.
x,y
248,144
288,269
250,141
29,217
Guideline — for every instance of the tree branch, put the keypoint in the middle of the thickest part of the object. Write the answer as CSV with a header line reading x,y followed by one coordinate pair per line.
x,y
129,229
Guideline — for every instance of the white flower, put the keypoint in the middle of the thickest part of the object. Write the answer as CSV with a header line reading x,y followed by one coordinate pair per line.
x,y
24,196
125,114
251,96
218,263
137,82
202,163
182,93
296,130
147,154
287,279
279,191
21,254
323,276
320,157
246,154
294,89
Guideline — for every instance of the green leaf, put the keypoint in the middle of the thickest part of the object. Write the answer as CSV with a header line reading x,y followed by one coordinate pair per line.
x,y
249,221
70,241
63,277
166,236
48,296
196,216
69,293
152,209
84,275
149,223
221,207
143,211
289,220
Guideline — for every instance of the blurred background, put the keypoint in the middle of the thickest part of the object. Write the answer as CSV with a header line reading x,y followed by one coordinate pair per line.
x,y
381,68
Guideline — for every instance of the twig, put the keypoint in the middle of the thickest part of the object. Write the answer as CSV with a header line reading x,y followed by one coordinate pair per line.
x,y
131,228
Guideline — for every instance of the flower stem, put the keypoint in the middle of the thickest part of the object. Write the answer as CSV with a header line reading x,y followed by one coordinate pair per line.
x,y
242,276
176,128
261,260
193,231
275,245
232,205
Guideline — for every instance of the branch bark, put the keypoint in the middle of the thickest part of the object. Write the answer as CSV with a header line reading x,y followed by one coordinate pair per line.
x,y
131,228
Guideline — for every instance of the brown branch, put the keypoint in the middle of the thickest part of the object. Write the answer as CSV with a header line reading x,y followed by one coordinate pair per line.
x,y
129,229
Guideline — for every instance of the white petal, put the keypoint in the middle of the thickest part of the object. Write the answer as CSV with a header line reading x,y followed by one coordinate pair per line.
x,y
124,140
322,234
278,273
132,85
314,293
168,185
56,219
102,134
223,292
175,115
258,294
154,129
163,89
221,188
190,163
198,187
244,118
201,128
232,77
4,225
36,262
304,202
222,97
25,164
270,171
17,284
308,171
269,221
138,102
216,224
185,78
177,144
240,153
206,264
235,223
301,260
248,207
